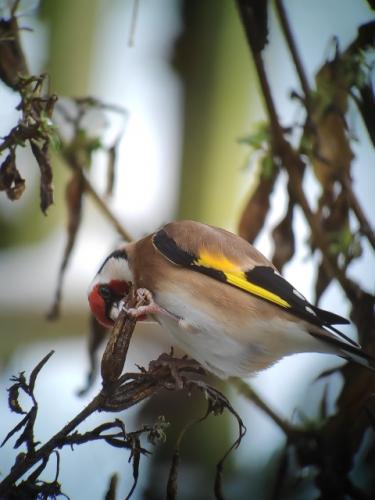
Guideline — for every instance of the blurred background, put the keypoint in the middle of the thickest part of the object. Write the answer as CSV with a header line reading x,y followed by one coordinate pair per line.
x,y
183,73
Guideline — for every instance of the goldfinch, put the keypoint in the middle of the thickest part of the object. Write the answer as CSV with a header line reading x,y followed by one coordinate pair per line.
x,y
224,303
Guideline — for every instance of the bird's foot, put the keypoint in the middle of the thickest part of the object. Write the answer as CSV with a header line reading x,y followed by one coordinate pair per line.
x,y
176,366
145,305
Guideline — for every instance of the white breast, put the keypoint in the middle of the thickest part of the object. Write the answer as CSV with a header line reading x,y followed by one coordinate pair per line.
x,y
231,353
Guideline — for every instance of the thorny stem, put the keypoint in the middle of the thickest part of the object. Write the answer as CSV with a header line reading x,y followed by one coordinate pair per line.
x,y
22,466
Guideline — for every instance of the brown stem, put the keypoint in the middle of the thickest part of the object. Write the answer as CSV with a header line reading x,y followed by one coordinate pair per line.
x,y
366,228
293,50
291,159
249,24
106,211
248,392
89,188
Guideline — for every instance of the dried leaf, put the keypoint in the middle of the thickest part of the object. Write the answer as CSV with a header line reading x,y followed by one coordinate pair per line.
x,y
112,488
283,238
366,106
321,283
135,457
10,179
256,210
12,59
254,14
173,476
97,335
46,177
34,374
73,195
13,399
111,169
323,407
16,429
27,435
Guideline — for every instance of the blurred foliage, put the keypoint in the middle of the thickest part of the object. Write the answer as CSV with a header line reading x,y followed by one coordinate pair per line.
x,y
321,455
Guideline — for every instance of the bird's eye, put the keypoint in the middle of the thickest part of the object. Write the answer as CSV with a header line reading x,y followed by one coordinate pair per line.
x,y
105,292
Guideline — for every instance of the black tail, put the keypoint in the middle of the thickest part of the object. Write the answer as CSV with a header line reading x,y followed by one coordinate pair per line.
x,y
357,356
351,352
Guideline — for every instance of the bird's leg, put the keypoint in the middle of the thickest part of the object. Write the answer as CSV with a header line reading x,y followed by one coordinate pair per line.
x,y
145,297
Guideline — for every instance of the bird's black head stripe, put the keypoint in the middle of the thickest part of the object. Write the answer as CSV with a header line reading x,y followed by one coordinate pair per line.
x,y
117,254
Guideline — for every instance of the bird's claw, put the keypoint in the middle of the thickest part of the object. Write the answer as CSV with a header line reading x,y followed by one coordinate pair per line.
x,y
145,305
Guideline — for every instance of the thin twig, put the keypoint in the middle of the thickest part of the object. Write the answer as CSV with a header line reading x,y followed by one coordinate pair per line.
x,y
365,228
133,23
100,202
249,393
293,50
104,208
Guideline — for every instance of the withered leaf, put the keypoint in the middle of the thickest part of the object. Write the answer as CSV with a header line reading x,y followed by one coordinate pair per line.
x,y
283,238
46,187
12,59
15,429
73,196
97,334
173,475
111,169
13,402
254,13
112,488
27,435
10,179
256,209
321,283
34,374
135,458
366,106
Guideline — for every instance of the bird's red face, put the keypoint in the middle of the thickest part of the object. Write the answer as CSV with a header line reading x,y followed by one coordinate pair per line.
x,y
104,299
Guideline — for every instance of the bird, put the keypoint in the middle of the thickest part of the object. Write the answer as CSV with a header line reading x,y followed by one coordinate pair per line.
x,y
224,303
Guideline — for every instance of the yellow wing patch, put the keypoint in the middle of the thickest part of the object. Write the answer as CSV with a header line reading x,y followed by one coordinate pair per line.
x,y
218,262
240,280
234,276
